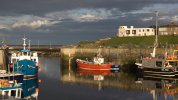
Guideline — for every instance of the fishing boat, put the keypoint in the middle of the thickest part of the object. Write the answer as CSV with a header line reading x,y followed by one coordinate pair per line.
x,y
165,66
96,64
25,62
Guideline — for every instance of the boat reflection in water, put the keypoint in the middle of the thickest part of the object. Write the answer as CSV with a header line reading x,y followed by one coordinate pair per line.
x,y
27,90
98,75
92,78
159,88
30,89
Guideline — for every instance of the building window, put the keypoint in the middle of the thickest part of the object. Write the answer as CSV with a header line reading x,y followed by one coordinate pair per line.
x,y
143,30
127,31
133,31
148,30
159,63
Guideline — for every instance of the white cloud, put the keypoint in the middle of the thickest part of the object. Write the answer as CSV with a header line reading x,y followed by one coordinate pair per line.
x,y
164,17
33,22
87,18
3,27
30,21
175,18
147,19
85,15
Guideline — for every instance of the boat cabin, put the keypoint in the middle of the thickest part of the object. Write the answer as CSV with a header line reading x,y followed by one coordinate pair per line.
x,y
152,62
98,60
159,63
24,55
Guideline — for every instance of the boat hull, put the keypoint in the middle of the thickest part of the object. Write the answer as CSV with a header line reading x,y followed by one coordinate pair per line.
x,y
92,66
26,67
160,73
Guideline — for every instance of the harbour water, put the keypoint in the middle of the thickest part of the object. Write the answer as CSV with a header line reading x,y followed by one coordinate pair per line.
x,y
66,84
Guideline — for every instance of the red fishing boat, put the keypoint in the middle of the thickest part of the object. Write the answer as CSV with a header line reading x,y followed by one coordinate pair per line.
x,y
96,64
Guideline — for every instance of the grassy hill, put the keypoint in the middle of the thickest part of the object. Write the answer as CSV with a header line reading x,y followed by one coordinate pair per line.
x,y
134,41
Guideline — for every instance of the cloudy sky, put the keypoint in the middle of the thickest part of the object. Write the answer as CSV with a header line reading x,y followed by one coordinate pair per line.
x,y
71,21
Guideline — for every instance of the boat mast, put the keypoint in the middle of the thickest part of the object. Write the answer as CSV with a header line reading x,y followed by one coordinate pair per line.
x,y
24,44
29,44
156,12
156,40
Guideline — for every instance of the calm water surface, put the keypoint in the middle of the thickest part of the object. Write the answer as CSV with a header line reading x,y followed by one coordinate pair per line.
x,y
67,85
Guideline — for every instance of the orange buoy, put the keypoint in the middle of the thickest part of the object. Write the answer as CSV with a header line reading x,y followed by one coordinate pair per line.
x,y
37,89
39,81
37,64
39,69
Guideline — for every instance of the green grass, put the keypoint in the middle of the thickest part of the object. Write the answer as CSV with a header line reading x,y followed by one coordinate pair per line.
x,y
140,41
129,40
132,41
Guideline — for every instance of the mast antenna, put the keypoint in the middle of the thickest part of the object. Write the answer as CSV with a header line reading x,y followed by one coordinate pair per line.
x,y
24,42
29,44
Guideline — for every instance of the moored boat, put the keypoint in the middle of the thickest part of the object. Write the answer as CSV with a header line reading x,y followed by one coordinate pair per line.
x,y
164,66
161,67
25,62
82,64
96,64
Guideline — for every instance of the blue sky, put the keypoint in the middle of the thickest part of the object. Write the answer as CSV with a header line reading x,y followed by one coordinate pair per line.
x,y
71,21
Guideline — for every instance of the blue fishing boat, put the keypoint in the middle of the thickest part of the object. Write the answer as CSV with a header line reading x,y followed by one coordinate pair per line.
x,y
25,62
